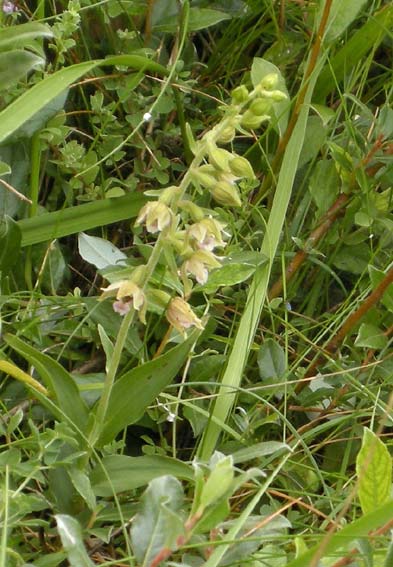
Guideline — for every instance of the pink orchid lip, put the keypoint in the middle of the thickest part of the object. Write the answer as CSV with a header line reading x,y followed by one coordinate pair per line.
x,y
122,307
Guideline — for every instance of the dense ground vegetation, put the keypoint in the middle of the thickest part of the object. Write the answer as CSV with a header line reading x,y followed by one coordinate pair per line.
x,y
195,268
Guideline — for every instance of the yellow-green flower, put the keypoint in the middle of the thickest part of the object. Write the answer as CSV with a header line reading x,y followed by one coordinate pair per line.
x,y
156,215
199,264
206,234
128,295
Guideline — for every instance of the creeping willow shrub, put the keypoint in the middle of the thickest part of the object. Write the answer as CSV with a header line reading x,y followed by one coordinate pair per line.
x,y
188,235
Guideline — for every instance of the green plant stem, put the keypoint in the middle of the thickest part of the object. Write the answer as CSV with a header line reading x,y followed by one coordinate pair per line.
x,y
182,123
35,156
4,531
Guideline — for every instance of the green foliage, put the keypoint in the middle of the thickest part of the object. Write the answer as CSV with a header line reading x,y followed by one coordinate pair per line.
x,y
374,470
220,165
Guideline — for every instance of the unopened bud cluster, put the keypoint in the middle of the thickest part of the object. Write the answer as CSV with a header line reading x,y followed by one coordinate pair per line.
x,y
188,234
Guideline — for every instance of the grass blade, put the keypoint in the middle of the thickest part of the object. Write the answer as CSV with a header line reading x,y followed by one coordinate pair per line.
x,y
80,218
367,38
258,289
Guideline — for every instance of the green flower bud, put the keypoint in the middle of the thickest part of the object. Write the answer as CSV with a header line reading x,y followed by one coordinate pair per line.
x,y
195,212
252,122
241,167
219,157
204,175
240,94
269,81
278,96
169,194
226,135
260,106
226,193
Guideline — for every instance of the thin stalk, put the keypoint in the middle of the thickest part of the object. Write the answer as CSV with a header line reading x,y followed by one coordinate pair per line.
x,y
35,159
3,546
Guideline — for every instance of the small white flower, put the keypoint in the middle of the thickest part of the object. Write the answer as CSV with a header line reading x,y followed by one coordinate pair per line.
x,y
147,116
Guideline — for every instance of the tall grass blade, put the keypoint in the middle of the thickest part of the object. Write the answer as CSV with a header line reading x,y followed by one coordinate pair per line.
x,y
238,357
80,218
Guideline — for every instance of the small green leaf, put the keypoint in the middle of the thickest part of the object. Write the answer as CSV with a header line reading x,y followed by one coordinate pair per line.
x,y
219,480
71,537
376,276
271,360
228,275
99,252
4,168
374,471
199,19
81,482
159,523
371,336
107,345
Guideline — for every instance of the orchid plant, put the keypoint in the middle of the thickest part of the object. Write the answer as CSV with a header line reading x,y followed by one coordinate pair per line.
x,y
189,235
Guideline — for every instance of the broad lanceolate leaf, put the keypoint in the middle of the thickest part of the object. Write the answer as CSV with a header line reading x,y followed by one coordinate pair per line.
x,y
374,471
10,238
17,36
158,525
230,274
199,19
139,387
16,64
342,14
59,382
120,473
99,252
71,537
42,93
